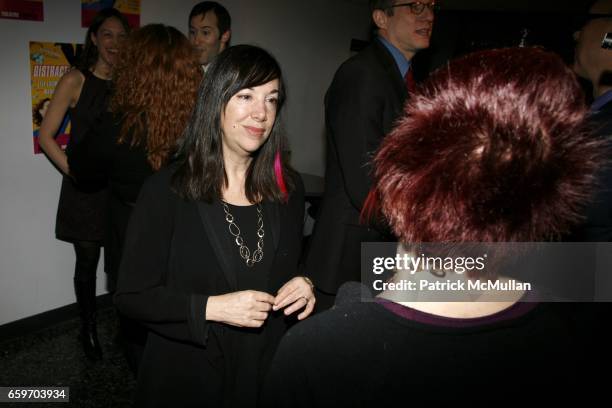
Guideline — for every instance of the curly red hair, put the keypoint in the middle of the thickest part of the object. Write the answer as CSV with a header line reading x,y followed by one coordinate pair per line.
x,y
156,81
492,148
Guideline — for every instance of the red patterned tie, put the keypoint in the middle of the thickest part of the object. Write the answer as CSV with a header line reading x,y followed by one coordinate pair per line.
x,y
409,79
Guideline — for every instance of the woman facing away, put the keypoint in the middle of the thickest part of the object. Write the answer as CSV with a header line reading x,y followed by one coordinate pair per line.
x,y
155,83
210,260
81,214
493,148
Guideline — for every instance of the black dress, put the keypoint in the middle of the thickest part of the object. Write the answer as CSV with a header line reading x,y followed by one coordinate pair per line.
x,y
102,160
81,213
248,344
177,253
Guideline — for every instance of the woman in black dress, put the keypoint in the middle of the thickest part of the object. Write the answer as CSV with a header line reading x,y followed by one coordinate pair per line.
x,y
155,86
81,213
210,261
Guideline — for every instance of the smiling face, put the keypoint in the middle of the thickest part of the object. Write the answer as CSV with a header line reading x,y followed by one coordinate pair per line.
x,y
248,119
204,35
408,32
107,40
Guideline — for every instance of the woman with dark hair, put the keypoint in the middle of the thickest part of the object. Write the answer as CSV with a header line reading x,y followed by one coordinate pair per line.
x,y
155,82
81,213
493,148
211,253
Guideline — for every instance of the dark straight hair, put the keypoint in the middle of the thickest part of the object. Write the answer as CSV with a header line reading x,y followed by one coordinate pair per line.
x,y
90,51
200,174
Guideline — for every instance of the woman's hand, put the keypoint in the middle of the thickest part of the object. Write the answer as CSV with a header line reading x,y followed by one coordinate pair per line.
x,y
248,308
299,293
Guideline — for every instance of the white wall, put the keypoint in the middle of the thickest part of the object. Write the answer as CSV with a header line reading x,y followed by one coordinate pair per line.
x,y
309,38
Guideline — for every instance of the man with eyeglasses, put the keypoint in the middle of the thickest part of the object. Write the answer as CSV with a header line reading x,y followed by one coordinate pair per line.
x,y
593,62
366,96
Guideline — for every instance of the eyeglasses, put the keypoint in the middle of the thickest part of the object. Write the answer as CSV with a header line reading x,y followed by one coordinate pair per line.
x,y
417,7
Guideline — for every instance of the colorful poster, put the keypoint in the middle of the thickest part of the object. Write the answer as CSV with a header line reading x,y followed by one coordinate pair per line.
x,y
48,63
129,8
22,9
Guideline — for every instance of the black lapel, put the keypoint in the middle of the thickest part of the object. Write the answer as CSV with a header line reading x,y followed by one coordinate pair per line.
x,y
272,218
222,250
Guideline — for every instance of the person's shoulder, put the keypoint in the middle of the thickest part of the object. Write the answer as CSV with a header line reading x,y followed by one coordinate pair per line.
x,y
353,309
363,71
70,85
159,184
73,78
365,60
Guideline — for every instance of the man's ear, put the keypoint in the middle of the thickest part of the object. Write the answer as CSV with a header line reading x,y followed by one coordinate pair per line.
x,y
380,18
225,37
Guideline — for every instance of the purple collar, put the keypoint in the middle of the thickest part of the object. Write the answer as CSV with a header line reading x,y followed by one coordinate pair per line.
x,y
517,310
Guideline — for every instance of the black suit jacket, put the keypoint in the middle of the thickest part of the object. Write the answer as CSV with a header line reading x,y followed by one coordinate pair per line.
x,y
592,318
597,225
173,261
362,103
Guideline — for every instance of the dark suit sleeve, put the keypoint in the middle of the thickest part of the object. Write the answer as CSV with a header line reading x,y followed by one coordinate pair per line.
x,y
142,293
354,105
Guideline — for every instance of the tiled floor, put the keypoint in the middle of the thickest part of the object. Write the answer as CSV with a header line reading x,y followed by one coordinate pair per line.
x,y
53,357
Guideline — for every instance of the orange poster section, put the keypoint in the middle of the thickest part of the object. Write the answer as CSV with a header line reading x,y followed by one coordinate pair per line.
x,y
48,63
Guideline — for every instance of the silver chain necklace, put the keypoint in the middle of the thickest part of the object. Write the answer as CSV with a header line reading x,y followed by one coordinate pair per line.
x,y
245,253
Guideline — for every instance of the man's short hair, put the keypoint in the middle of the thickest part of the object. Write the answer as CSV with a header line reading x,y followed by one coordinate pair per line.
x,y
384,5
224,21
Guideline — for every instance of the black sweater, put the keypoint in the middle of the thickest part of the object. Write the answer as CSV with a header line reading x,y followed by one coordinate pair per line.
x,y
363,353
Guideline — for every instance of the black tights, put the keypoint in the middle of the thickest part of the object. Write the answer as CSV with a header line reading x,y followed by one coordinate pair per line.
x,y
87,256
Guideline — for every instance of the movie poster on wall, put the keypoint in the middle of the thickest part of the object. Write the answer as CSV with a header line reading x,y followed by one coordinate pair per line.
x,y
129,8
48,63
32,10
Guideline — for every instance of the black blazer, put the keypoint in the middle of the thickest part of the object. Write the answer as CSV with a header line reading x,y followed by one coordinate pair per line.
x,y
361,105
173,261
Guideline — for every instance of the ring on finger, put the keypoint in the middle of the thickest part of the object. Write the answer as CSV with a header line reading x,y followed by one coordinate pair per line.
x,y
305,298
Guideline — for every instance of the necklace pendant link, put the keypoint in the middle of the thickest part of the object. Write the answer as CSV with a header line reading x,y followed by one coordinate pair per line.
x,y
244,251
